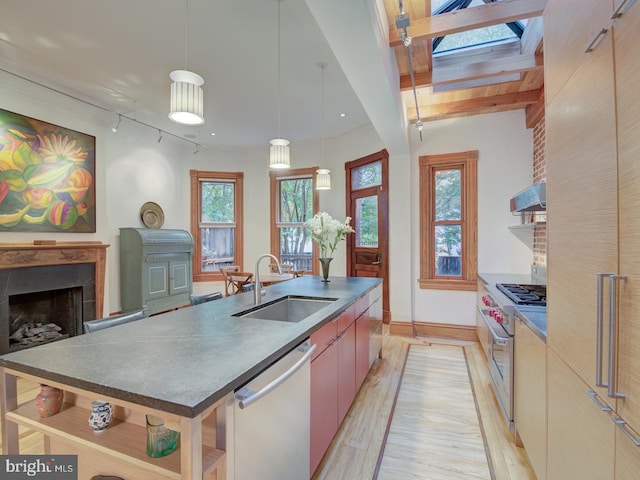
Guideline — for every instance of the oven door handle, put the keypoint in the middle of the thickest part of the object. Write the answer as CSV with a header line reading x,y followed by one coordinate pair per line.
x,y
494,336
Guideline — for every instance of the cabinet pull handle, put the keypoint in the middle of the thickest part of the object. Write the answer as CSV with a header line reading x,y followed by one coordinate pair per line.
x,y
596,41
613,353
601,406
626,429
623,8
599,315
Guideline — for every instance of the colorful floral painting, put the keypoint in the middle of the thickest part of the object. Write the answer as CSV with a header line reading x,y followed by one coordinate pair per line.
x,y
47,177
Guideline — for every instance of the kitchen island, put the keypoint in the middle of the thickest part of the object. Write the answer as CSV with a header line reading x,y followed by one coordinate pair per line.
x,y
180,365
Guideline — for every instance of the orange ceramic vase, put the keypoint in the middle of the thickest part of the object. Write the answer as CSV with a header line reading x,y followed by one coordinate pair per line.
x,y
49,401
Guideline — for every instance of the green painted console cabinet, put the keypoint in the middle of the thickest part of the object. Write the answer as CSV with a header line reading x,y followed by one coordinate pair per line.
x,y
155,269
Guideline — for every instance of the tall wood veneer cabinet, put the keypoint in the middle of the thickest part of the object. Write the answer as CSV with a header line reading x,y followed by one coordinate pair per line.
x,y
593,185
530,396
155,269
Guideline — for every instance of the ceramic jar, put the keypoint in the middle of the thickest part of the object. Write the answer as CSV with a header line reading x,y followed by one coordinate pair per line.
x,y
49,401
101,415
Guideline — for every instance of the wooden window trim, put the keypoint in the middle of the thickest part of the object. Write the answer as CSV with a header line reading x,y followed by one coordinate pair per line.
x,y
195,177
467,161
274,177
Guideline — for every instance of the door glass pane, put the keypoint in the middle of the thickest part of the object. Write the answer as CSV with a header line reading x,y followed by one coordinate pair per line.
x,y
366,176
448,196
217,247
217,201
296,247
366,222
296,200
448,248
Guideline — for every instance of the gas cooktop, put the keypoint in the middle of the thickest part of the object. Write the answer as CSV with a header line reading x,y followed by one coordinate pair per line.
x,y
524,294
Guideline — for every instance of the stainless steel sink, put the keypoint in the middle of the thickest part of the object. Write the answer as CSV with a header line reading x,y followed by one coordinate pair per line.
x,y
287,309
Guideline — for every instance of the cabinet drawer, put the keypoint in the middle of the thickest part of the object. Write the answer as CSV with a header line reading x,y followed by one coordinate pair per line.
x,y
362,304
346,318
324,336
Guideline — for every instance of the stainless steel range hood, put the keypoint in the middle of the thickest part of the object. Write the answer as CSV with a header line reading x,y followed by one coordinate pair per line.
x,y
531,199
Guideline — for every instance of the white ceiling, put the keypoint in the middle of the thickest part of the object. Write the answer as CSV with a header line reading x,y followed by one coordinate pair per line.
x,y
118,54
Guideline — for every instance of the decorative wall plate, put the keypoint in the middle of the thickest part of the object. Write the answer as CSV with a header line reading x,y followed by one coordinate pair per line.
x,y
152,215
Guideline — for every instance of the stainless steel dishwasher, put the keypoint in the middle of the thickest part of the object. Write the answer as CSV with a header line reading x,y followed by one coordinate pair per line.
x,y
269,432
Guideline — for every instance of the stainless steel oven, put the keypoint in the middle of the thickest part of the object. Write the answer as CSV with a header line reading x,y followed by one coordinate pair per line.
x,y
498,312
500,361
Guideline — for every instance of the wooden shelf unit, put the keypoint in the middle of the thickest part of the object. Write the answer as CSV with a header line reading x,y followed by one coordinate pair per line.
x,y
123,443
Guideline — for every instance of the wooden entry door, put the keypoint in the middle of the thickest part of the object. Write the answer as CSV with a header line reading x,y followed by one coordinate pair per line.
x,y
368,248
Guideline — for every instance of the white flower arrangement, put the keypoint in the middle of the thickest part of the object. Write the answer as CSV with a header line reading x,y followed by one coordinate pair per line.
x,y
327,232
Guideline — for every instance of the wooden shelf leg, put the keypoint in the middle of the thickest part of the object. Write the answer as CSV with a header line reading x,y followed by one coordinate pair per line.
x,y
9,389
191,447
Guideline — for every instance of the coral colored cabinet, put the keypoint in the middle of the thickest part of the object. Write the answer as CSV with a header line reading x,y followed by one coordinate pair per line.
x,y
333,380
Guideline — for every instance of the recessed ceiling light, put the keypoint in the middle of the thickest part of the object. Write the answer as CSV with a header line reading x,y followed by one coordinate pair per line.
x,y
342,115
213,133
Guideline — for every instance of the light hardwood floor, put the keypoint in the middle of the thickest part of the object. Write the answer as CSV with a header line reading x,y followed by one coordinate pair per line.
x,y
353,454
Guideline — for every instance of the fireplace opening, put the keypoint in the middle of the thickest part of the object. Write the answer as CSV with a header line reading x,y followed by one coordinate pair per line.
x,y
42,317
45,303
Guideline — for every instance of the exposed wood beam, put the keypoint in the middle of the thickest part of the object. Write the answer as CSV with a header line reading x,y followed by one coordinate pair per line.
x,y
532,37
469,19
535,111
474,106
472,71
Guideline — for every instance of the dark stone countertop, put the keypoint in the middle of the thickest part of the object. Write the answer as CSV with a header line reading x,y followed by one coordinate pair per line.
x,y
184,361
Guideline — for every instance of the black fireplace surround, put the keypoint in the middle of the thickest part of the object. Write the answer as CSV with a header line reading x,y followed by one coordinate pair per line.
x,y
60,294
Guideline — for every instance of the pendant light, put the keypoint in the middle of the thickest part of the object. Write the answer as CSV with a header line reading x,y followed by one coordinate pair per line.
x,y
279,157
187,97
323,175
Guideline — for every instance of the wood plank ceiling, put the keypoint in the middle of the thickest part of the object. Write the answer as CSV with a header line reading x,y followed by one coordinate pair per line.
x,y
484,79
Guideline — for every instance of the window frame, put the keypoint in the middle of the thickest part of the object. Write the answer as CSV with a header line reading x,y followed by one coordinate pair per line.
x,y
196,178
275,176
429,165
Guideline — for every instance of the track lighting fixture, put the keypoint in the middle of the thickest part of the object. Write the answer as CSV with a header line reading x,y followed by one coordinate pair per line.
x,y
114,129
159,135
402,22
197,150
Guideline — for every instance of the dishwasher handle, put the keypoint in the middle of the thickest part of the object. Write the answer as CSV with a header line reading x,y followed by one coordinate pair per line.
x,y
246,396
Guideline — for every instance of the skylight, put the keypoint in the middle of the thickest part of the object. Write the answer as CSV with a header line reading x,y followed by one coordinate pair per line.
x,y
472,38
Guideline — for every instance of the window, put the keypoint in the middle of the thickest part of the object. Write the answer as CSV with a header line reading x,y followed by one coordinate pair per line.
x,y
448,221
510,31
216,222
294,200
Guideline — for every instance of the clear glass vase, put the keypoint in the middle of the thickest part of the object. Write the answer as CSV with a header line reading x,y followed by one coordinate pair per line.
x,y
161,441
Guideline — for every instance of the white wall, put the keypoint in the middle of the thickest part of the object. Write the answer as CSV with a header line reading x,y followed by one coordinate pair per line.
x,y
132,168
505,159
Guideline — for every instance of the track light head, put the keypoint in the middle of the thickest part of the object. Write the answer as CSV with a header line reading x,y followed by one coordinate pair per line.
x,y
197,150
159,135
114,129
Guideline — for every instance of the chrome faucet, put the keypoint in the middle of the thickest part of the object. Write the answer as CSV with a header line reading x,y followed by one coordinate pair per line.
x,y
257,286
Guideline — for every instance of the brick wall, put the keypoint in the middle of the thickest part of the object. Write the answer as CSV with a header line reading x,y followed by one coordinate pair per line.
x,y
539,174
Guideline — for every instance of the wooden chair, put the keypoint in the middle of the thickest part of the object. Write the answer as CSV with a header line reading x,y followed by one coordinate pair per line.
x,y
284,268
108,322
207,297
235,280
